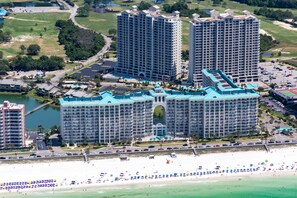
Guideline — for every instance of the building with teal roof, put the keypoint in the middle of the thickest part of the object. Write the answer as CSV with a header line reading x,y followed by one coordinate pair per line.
x,y
218,110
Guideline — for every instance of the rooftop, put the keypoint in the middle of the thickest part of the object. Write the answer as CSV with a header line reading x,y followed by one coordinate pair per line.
x,y
153,11
9,105
291,93
220,78
207,93
215,16
12,82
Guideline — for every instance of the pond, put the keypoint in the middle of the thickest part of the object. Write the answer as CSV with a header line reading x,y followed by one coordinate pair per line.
x,y
47,116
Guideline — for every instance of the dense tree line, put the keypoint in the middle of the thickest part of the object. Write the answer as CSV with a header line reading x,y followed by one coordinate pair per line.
x,y
5,36
183,8
83,11
270,3
274,14
80,44
266,43
27,63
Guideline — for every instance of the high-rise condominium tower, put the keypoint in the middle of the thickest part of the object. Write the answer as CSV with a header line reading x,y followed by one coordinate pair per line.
x,y
149,44
12,125
225,42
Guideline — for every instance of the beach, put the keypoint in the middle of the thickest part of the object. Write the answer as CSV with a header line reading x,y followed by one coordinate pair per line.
x,y
72,175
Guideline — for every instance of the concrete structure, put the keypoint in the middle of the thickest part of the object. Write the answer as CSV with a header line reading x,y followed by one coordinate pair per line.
x,y
286,96
224,42
221,109
149,44
12,125
11,85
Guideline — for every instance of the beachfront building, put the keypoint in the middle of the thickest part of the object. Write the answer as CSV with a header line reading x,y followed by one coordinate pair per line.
x,y
12,125
149,44
218,110
224,42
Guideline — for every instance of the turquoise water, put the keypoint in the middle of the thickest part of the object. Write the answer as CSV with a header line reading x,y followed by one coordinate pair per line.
x,y
47,116
243,187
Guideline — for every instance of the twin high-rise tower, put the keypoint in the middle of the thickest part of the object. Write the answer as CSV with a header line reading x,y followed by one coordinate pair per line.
x,y
149,45
225,42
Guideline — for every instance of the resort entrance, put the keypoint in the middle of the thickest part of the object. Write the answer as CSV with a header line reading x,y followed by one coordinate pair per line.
x,y
159,130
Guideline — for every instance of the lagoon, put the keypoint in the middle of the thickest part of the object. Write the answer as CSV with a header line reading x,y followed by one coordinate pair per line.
x,y
47,116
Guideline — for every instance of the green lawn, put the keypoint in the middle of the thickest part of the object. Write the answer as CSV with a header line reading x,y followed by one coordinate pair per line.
x,y
99,22
185,33
20,25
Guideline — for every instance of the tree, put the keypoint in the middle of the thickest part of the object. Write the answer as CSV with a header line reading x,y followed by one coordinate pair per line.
x,y
112,32
260,89
54,129
80,44
144,5
33,49
23,48
41,35
272,85
31,29
45,29
5,36
185,55
83,11
1,55
216,2
40,128
4,66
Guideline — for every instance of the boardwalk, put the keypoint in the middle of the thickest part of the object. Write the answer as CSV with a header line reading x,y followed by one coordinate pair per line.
x,y
37,108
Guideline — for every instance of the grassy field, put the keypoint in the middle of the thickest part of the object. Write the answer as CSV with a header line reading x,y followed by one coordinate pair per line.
x,y
99,22
288,39
26,30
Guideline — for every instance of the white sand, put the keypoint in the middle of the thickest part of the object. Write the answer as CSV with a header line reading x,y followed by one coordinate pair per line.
x,y
285,25
104,172
263,32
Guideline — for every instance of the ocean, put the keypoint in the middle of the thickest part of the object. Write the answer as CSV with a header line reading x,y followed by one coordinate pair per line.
x,y
284,186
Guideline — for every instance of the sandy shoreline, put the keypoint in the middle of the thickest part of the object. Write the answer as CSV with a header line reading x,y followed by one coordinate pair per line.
x,y
71,175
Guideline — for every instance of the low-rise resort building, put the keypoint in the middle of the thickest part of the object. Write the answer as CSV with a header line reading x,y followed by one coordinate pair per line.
x,y
219,109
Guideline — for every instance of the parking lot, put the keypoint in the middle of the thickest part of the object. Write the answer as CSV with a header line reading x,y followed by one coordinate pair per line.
x,y
90,73
283,76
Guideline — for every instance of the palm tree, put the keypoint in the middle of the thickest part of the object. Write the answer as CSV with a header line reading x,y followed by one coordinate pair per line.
x,y
40,128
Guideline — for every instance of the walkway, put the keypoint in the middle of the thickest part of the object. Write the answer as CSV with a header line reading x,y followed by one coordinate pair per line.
x,y
37,108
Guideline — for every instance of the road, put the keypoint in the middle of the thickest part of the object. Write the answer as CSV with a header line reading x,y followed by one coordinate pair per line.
x,y
99,55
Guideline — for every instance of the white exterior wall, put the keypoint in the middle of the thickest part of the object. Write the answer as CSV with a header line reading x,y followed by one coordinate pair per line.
x,y
12,125
230,44
148,45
